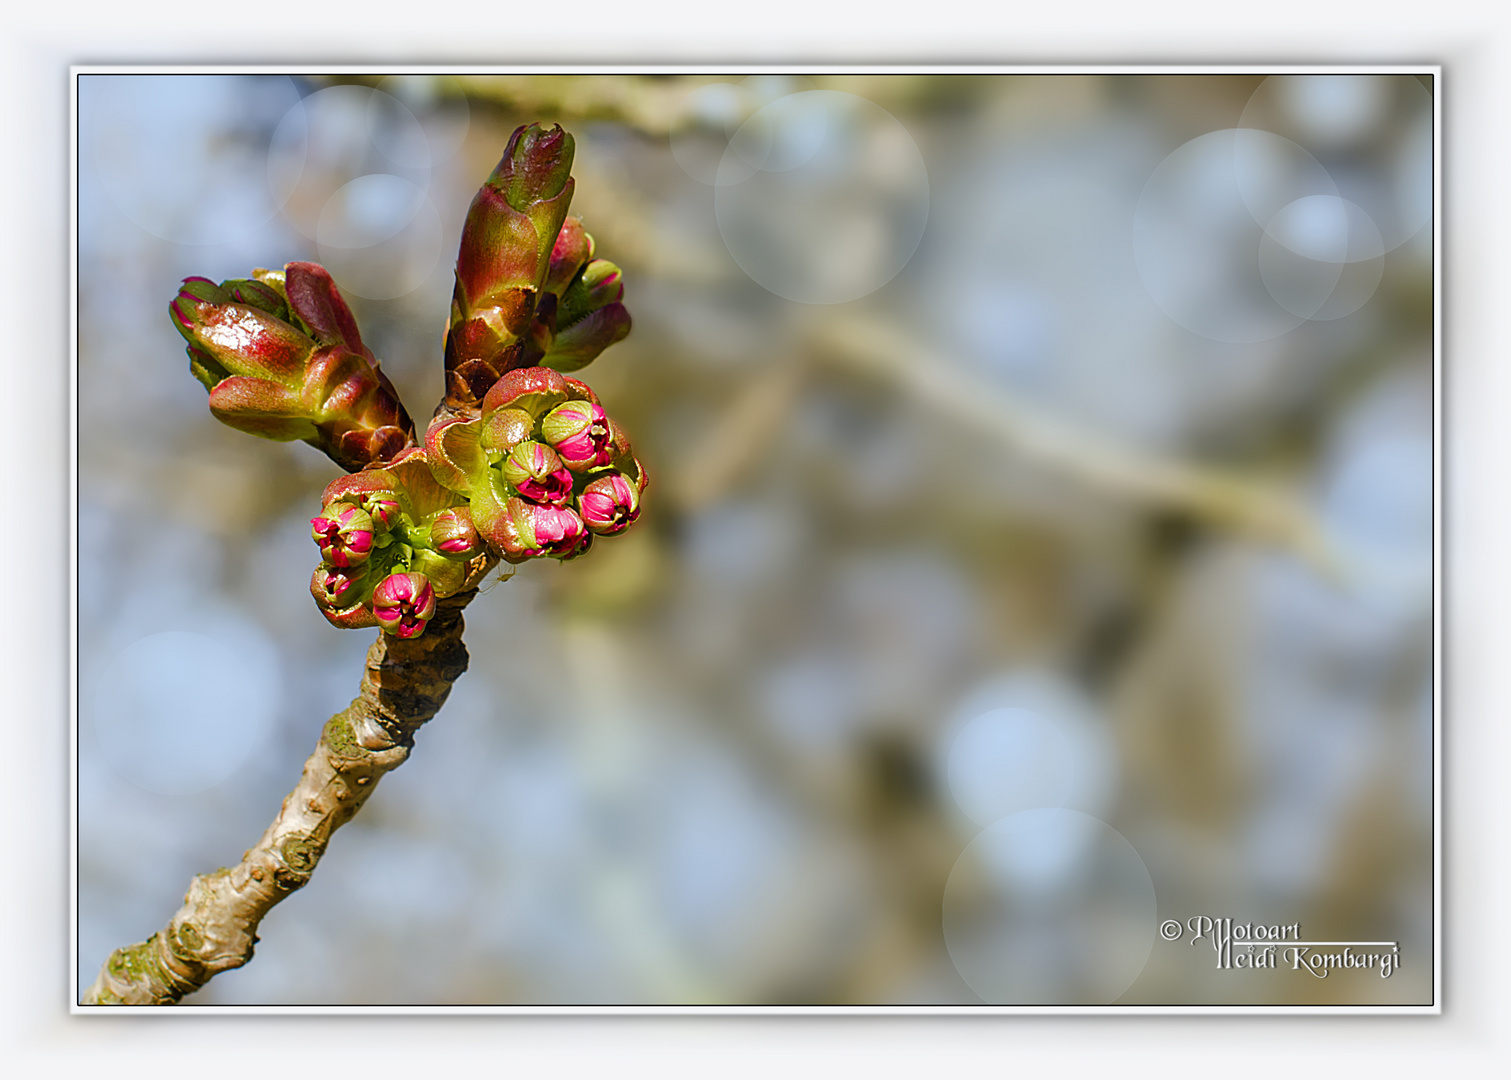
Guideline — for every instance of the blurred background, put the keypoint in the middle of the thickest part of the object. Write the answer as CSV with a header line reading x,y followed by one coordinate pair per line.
x,y
1039,544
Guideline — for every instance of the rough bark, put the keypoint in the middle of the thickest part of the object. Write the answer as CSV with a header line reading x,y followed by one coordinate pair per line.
x,y
405,683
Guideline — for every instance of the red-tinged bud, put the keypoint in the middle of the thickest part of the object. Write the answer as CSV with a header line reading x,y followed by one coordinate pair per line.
x,y
344,533
508,243
536,472
282,359
338,382
530,530
600,283
452,533
580,432
506,428
609,504
533,390
336,588
259,407
241,339
579,344
339,596
318,308
498,271
403,604
574,247
355,407
537,165
257,294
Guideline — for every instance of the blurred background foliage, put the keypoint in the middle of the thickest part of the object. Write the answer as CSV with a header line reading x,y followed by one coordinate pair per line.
x,y
1039,542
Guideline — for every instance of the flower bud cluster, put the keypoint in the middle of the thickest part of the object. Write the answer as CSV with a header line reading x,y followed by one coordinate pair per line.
x,y
543,466
392,542
520,462
539,473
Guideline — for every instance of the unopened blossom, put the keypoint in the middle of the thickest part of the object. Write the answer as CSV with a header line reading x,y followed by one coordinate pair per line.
x,y
403,604
609,504
535,471
338,587
452,533
282,358
579,431
383,507
344,533
529,530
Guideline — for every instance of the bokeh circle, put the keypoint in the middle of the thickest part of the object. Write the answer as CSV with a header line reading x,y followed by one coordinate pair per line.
x,y
380,236
1028,740
1321,257
439,102
711,114
822,197
179,712
1374,133
1049,907
353,165
335,136
1199,226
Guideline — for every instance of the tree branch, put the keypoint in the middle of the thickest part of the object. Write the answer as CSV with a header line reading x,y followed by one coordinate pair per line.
x,y
405,684
1249,505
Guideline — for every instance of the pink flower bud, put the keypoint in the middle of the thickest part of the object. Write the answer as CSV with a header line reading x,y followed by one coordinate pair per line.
x,y
452,533
344,533
530,530
557,531
384,509
337,587
579,432
610,504
403,604
534,470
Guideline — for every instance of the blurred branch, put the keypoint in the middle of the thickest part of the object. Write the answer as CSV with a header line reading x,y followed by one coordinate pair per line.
x,y
651,104
657,105
1232,501
737,437
1225,499
405,684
